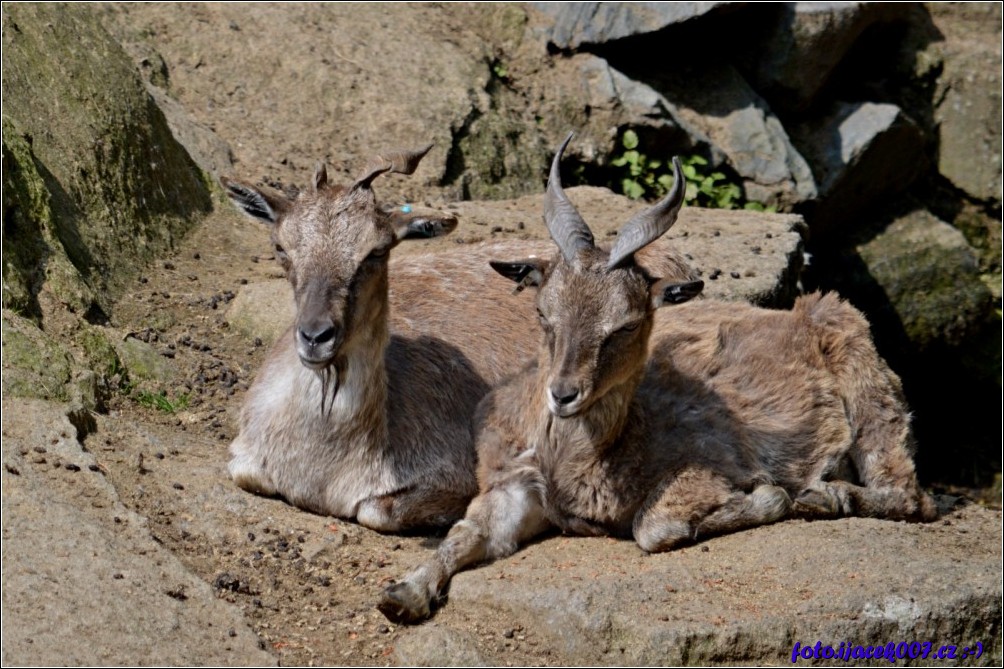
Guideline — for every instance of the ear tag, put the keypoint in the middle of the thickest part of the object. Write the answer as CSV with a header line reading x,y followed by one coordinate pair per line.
x,y
405,208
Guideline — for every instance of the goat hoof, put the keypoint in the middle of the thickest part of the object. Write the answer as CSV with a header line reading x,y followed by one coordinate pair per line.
x,y
817,502
401,603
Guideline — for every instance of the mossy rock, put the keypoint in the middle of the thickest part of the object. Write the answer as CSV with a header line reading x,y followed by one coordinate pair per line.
x,y
34,364
500,156
98,185
931,278
143,363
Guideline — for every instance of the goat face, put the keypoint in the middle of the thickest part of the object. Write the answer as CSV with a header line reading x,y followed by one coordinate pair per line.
x,y
334,243
596,307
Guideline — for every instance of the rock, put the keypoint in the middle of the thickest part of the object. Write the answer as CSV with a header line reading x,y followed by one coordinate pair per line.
x,y
614,101
211,153
795,54
929,277
585,23
741,125
34,363
263,310
107,182
422,81
601,601
438,646
968,98
142,362
860,153
84,583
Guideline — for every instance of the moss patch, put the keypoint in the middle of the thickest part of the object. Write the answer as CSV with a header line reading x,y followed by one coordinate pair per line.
x,y
34,365
99,185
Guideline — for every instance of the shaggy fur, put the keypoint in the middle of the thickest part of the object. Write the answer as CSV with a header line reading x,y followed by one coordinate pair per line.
x,y
675,425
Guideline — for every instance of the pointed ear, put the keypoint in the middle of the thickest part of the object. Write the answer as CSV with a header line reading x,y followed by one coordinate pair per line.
x,y
525,273
667,291
425,224
255,203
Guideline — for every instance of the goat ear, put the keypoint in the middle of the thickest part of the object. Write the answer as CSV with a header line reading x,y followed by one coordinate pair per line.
x,y
667,291
525,273
409,224
253,202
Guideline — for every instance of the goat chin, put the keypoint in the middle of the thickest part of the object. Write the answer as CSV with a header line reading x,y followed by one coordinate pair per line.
x,y
330,377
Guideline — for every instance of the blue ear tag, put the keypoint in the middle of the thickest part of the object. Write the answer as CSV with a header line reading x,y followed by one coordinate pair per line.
x,y
405,208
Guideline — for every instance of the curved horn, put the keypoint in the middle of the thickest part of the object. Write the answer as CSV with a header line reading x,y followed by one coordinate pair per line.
x,y
566,226
649,225
400,162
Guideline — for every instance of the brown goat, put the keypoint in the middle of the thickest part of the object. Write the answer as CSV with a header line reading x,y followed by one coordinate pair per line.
x,y
736,412
364,408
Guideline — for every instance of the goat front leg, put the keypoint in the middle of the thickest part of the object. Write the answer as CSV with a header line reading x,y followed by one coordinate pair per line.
x,y
497,521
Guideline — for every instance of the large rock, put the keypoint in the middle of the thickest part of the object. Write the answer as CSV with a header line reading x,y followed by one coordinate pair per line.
x,y
792,59
930,277
742,126
84,583
860,153
585,23
94,181
723,119
745,598
360,78
968,97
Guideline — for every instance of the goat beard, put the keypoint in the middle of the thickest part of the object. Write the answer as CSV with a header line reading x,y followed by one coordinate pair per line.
x,y
331,377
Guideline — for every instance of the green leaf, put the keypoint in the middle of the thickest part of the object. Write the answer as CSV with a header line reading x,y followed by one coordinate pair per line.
x,y
630,139
632,189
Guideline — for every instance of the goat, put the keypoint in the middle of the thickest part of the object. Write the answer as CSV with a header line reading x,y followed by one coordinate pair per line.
x,y
741,416
347,417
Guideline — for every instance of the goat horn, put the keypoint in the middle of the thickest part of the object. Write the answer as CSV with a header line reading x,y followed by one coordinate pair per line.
x,y
650,224
566,226
399,162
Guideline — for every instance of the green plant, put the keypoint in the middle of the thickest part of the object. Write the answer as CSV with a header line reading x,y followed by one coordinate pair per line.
x,y
161,402
641,176
651,178
708,190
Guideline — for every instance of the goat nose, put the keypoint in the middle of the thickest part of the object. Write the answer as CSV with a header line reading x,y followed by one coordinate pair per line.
x,y
318,334
564,396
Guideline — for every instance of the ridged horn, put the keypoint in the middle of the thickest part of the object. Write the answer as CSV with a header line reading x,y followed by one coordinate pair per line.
x,y
649,225
399,162
566,226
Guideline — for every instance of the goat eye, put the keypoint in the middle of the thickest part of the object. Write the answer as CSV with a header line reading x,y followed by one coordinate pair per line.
x,y
630,327
543,319
378,253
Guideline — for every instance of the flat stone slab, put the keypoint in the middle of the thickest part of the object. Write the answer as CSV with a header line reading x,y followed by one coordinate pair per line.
x,y
84,583
744,598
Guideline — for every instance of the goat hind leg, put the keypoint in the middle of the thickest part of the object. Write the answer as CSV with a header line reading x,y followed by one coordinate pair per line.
x,y
669,516
765,505
836,498
415,507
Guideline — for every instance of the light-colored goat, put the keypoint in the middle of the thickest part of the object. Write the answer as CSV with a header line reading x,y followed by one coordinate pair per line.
x,y
736,412
346,417
363,409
